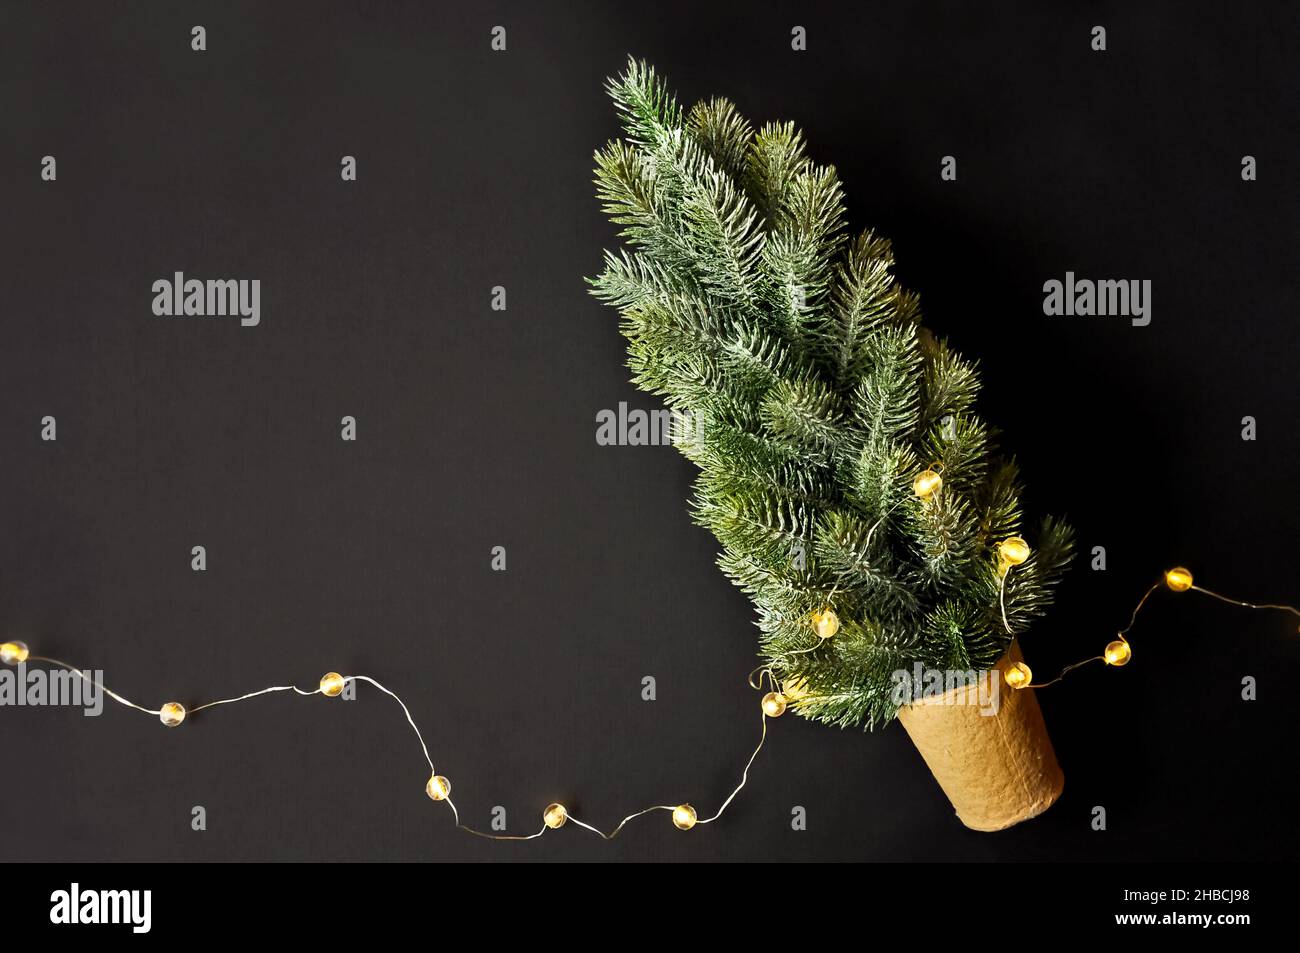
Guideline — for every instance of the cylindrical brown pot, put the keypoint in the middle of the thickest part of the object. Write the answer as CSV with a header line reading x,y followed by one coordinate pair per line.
x,y
998,769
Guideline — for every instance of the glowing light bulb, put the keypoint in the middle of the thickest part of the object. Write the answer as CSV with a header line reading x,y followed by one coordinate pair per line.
x,y
1179,579
1118,653
331,684
554,816
825,623
13,653
774,704
926,484
794,688
1013,550
171,714
1018,675
684,817
438,788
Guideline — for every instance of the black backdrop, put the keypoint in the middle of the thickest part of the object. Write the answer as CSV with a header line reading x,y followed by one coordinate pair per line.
x,y
476,428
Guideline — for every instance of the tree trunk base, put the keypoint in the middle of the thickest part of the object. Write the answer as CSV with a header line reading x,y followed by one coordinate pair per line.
x,y
997,769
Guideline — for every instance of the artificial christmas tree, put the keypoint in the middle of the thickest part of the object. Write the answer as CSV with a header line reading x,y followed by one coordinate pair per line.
x,y
857,497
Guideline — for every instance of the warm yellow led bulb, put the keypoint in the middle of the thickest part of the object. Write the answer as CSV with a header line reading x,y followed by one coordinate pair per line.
x,y
684,817
1013,550
13,653
438,788
774,704
1118,653
331,684
171,714
794,688
1018,675
554,816
1179,579
927,484
825,623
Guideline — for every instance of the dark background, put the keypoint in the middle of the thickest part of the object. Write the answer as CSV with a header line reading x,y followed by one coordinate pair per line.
x,y
476,428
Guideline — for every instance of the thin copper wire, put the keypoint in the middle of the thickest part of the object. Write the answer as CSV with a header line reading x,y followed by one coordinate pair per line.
x,y
1249,605
744,776
82,675
1002,598
1136,609
264,691
762,672
1068,668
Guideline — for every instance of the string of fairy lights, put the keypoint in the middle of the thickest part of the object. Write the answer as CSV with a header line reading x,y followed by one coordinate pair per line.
x,y
1119,652
173,714
1014,551
824,623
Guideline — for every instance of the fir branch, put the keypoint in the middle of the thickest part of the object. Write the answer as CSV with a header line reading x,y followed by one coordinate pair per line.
x,y
776,158
648,110
806,415
814,400
724,134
